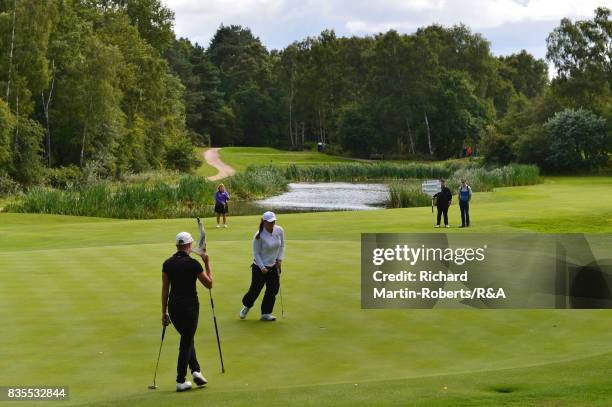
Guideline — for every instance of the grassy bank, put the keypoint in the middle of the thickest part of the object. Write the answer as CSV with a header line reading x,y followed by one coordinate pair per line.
x,y
152,198
86,302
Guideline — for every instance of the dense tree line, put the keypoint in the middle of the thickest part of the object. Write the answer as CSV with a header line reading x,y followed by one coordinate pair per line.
x,y
427,94
85,83
568,127
106,87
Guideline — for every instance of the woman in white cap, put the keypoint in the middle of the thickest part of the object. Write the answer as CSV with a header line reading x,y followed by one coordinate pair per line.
x,y
268,251
180,298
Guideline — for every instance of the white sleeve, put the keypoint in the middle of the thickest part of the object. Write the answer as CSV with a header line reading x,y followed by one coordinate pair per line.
x,y
257,252
281,250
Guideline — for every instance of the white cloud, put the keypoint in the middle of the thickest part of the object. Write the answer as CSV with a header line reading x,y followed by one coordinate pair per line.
x,y
364,27
280,22
474,13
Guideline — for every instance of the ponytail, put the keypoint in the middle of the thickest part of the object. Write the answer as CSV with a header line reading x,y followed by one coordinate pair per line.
x,y
261,226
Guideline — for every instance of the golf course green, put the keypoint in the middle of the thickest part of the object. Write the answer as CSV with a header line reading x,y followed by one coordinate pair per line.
x,y
80,307
241,157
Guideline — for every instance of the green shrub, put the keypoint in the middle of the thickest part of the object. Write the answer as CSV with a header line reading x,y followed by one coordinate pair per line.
x,y
8,186
579,141
533,145
497,147
64,177
27,167
181,155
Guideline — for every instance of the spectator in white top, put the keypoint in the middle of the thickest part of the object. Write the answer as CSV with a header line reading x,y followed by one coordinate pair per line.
x,y
268,251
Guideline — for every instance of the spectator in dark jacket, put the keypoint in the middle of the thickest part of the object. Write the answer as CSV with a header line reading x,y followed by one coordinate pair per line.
x,y
443,201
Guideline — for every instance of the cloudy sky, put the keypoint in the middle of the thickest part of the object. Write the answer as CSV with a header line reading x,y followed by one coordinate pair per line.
x,y
510,25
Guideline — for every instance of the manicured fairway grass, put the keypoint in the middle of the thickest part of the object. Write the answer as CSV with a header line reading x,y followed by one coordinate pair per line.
x,y
241,157
79,304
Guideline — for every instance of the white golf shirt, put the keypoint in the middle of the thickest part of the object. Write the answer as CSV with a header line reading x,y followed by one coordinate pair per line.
x,y
269,247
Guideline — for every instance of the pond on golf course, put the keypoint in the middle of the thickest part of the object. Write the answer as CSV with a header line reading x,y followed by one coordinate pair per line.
x,y
328,196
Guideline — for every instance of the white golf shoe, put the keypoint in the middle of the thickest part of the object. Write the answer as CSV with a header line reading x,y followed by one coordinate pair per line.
x,y
225,225
446,226
268,317
183,386
199,379
218,225
437,226
243,312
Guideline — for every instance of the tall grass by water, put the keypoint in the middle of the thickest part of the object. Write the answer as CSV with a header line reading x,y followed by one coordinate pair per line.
x,y
483,180
375,171
190,196
257,182
130,201
408,194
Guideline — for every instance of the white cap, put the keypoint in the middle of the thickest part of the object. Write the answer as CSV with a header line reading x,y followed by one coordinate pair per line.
x,y
183,238
268,217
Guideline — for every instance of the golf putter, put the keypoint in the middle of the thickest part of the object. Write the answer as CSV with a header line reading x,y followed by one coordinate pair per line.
x,y
202,241
212,305
154,385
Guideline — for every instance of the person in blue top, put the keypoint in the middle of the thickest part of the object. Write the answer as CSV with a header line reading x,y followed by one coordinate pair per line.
x,y
221,198
465,197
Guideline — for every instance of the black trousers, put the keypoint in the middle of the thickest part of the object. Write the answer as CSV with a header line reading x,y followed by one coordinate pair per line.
x,y
465,213
443,210
184,313
258,280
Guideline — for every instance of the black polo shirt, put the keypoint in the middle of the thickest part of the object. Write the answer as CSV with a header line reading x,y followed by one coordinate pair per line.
x,y
182,272
443,197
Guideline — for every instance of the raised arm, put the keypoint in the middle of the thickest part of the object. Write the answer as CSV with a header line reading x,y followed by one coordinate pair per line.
x,y
206,277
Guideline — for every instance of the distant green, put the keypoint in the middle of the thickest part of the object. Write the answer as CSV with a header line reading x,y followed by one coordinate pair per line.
x,y
241,157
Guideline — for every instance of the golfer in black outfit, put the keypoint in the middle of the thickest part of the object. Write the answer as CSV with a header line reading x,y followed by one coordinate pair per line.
x,y
443,201
180,298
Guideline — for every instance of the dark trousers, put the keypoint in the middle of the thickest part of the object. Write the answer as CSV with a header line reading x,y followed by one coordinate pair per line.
x,y
443,210
184,314
258,280
465,213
